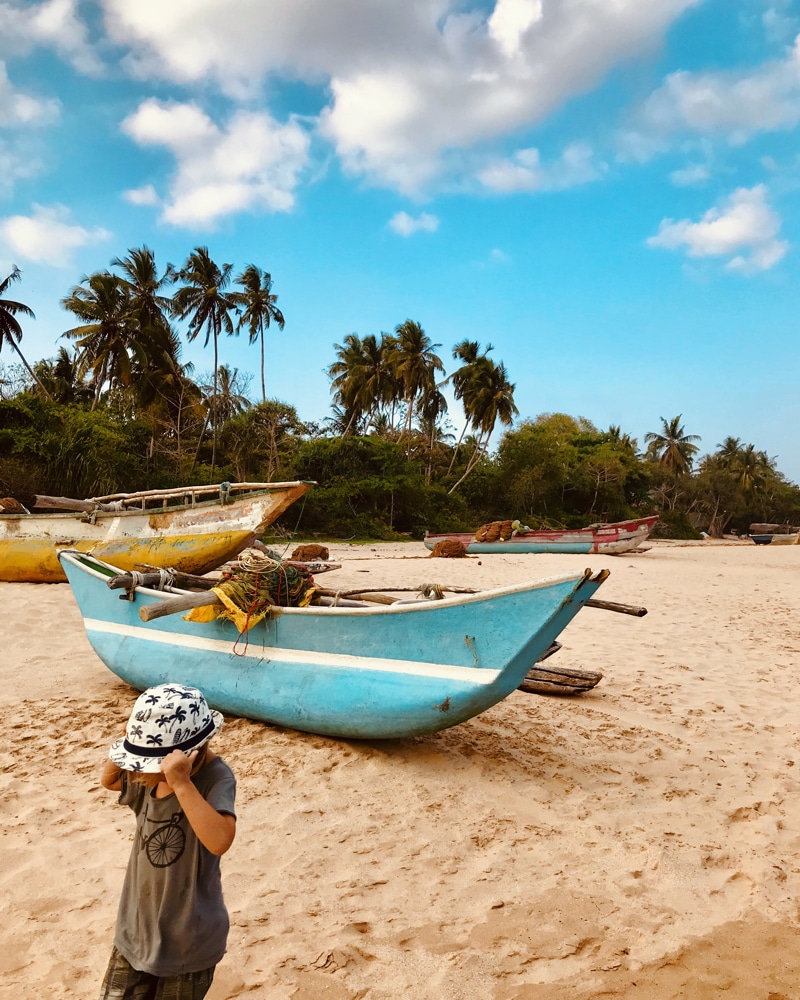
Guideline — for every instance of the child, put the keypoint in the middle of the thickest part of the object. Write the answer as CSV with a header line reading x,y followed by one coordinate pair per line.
x,y
172,924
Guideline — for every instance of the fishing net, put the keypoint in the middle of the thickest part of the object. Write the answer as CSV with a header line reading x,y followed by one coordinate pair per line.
x,y
253,587
448,548
494,531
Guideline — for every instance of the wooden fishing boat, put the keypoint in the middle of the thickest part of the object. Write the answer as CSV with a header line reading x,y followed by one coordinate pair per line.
x,y
605,539
779,538
192,529
383,671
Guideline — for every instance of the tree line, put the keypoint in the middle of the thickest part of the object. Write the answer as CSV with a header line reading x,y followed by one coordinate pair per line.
x,y
121,411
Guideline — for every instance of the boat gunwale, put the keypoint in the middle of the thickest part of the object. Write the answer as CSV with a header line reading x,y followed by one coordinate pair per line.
x,y
78,558
83,515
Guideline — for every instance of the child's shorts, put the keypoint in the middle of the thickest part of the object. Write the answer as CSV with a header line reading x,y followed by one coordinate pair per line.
x,y
123,982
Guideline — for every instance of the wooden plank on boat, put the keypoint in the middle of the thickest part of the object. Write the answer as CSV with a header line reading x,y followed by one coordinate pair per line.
x,y
559,680
67,503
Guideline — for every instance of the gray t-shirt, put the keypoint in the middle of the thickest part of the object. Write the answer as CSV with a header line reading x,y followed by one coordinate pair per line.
x,y
172,917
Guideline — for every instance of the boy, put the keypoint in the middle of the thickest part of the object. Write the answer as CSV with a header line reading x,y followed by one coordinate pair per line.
x,y
172,925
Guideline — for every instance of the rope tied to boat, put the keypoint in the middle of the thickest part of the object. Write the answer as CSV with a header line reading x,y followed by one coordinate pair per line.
x,y
254,588
433,591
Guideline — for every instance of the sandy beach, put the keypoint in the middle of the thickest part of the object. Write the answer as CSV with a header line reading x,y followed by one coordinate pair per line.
x,y
640,840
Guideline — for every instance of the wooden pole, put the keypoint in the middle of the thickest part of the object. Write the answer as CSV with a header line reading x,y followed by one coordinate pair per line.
x,y
623,609
174,605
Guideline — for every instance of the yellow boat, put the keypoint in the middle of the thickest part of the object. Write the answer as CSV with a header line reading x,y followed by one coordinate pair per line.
x,y
192,529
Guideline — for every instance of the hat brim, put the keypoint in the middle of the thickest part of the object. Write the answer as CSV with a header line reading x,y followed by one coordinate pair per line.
x,y
128,761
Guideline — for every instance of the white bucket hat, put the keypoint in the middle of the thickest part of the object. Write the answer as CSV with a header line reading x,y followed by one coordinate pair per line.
x,y
165,718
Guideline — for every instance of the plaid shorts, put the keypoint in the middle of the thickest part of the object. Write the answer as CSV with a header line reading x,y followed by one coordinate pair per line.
x,y
123,982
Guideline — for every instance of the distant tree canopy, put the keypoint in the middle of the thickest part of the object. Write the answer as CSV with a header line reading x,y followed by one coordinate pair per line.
x,y
119,410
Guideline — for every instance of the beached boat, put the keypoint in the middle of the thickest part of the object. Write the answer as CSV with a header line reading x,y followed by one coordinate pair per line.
x,y
779,538
605,539
192,529
375,672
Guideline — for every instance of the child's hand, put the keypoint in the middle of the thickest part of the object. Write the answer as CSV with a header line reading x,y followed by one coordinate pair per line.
x,y
177,767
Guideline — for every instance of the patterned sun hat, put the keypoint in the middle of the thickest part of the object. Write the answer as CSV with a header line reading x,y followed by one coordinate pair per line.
x,y
165,718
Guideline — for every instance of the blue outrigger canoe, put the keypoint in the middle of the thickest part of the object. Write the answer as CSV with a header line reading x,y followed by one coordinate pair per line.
x,y
369,672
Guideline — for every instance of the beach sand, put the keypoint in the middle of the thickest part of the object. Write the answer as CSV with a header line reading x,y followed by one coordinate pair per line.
x,y
640,840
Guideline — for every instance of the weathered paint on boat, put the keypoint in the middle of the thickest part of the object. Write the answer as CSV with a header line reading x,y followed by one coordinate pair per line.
x,y
377,672
192,538
605,539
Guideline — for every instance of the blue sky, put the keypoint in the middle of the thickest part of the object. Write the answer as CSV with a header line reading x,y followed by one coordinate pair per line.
x,y
607,192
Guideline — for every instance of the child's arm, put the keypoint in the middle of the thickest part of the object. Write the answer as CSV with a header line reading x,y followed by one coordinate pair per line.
x,y
214,830
111,777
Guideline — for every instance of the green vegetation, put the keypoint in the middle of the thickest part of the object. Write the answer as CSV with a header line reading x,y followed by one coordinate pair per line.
x,y
120,411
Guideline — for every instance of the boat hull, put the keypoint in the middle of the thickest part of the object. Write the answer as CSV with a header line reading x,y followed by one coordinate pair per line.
x,y
384,672
609,539
190,538
777,539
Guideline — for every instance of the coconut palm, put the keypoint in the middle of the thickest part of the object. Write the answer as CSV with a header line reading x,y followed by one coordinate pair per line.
x,y
728,452
672,449
60,379
414,361
105,339
258,309
203,301
751,467
490,398
432,408
147,306
362,378
229,399
10,329
472,362
348,401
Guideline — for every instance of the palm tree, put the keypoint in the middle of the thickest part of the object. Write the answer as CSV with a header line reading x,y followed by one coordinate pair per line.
x,y
148,308
60,379
490,398
222,401
728,452
259,309
414,362
362,378
616,435
432,408
228,400
347,397
10,329
752,468
473,362
672,449
105,338
203,301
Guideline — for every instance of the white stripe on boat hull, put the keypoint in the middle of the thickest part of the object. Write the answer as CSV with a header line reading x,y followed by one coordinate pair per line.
x,y
276,654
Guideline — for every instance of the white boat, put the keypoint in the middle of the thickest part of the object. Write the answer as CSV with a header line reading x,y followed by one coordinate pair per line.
x,y
192,529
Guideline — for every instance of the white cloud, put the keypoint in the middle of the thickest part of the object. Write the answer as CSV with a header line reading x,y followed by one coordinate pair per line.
x,y
744,228
734,105
251,163
510,20
47,236
405,225
779,23
411,84
146,195
18,110
695,173
54,24
524,171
